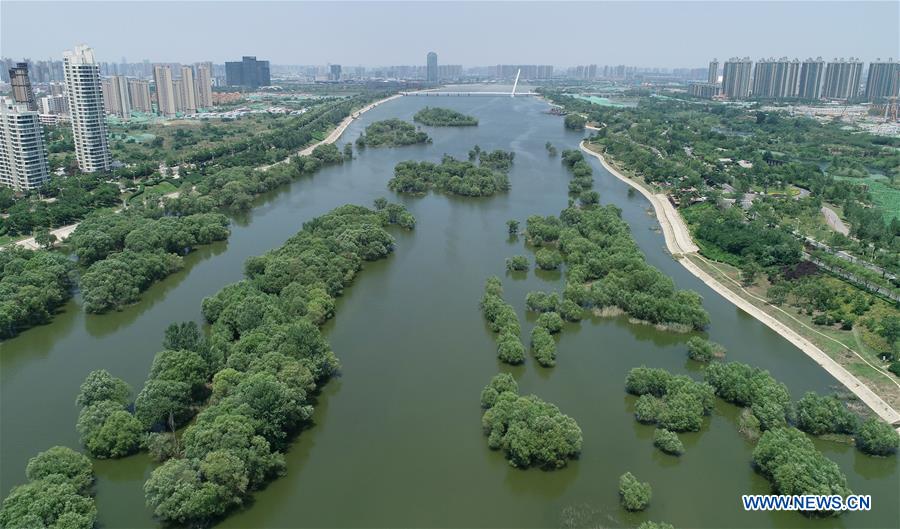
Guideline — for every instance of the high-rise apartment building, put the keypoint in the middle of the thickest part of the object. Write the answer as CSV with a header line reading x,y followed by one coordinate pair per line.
x,y
55,105
21,85
203,86
704,90
776,79
178,94
431,67
248,72
812,72
82,74
139,95
712,76
23,153
334,72
883,80
842,79
188,91
736,78
165,90
115,96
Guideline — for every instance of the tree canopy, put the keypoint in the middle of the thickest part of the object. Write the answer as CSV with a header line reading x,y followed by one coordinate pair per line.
x,y
443,117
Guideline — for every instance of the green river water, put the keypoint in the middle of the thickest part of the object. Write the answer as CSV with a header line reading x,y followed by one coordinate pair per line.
x,y
397,440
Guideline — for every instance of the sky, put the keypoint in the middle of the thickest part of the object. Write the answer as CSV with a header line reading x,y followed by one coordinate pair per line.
x,y
664,34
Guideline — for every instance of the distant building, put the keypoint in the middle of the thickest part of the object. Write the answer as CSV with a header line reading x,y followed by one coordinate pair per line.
x,y
203,85
23,153
704,90
450,71
529,71
82,74
187,91
334,72
165,90
55,105
712,76
139,95
883,80
736,78
431,74
115,96
842,79
248,72
21,85
776,79
812,72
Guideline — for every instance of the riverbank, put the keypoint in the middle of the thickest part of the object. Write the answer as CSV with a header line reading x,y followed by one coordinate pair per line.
x,y
682,247
337,132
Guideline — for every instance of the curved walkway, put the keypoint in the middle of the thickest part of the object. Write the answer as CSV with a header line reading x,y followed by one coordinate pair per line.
x,y
680,245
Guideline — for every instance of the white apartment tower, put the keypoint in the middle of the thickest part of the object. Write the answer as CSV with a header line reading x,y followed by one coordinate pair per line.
x,y
139,93
188,90
118,98
204,85
165,91
23,153
82,74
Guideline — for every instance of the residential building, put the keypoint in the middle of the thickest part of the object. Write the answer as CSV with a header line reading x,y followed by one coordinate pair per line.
x,y
55,105
842,79
203,85
334,72
736,78
704,90
812,72
23,153
431,65
249,73
776,79
82,75
139,95
115,96
883,80
21,85
188,91
165,90
712,76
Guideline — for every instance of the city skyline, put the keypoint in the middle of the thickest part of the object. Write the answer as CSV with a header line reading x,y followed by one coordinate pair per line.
x,y
699,28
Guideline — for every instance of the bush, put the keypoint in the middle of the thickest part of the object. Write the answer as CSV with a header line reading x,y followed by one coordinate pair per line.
x,y
531,432
703,350
570,311
542,301
108,430
674,402
510,348
877,437
543,346
668,442
550,321
822,415
547,259
517,263
634,495
656,525
575,121
744,385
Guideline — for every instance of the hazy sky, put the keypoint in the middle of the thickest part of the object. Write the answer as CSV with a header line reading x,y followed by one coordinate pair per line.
x,y
470,33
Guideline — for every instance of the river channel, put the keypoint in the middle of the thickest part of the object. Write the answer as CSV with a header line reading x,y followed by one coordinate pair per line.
x,y
396,440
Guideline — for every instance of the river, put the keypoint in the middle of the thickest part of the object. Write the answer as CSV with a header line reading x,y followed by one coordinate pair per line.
x,y
397,438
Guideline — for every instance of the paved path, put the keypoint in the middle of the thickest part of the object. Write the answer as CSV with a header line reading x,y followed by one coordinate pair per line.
x,y
682,247
834,221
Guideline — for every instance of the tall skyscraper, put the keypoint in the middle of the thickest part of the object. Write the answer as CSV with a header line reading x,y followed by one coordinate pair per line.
x,y
842,79
139,95
431,74
248,72
812,72
165,90
23,153
115,96
776,79
21,85
883,80
203,85
736,78
334,72
82,74
188,90
713,74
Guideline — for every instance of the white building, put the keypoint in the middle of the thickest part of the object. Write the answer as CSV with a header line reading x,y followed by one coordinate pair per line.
x,y
165,91
139,93
82,74
204,85
23,154
55,105
115,96
188,91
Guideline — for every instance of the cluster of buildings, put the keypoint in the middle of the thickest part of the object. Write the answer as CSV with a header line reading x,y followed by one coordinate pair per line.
x,y
811,79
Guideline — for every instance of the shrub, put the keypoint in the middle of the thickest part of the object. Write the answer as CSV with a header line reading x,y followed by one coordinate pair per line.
x,y
550,321
517,263
543,346
822,415
703,350
547,259
634,495
668,442
877,437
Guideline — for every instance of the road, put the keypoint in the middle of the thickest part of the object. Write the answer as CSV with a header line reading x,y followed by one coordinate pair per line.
x,y
834,221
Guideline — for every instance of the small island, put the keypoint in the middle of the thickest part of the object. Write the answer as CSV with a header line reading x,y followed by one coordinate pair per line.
x,y
444,117
391,133
454,176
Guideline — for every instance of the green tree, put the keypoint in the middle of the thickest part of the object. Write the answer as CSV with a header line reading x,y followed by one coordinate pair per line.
x,y
107,430
547,259
819,415
575,121
633,494
517,263
703,350
44,238
877,437
184,336
166,402
550,321
668,442
101,386
543,346
512,226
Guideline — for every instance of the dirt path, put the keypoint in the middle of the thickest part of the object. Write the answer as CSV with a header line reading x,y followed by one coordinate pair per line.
x,y
834,221
682,247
